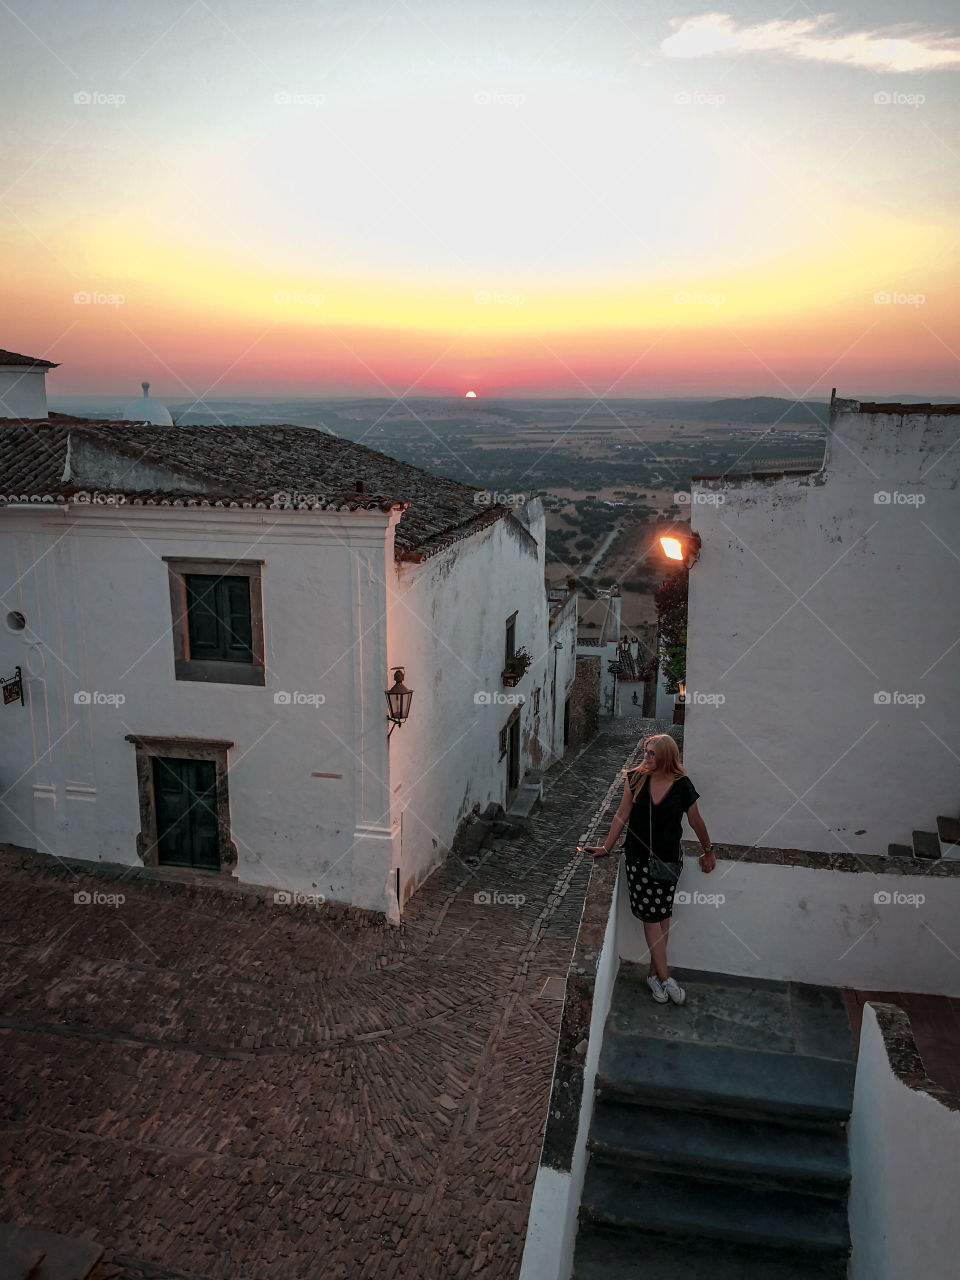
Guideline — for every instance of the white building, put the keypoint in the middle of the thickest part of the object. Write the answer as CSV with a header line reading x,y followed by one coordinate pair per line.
x,y
207,621
822,665
23,385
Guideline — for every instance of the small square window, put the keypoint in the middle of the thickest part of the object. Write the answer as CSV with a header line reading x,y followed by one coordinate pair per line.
x,y
536,701
217,620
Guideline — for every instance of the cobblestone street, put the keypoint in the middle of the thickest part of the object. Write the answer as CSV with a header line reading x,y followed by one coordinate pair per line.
x,y
215,1087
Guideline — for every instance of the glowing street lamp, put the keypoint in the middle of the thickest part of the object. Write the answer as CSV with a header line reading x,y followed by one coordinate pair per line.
x,y
685,549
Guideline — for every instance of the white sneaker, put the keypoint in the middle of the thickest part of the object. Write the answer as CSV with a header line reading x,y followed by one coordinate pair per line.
x,y
672,989
656,987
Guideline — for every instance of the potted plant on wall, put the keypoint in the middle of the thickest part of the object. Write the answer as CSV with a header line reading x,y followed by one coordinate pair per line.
x,y
516,666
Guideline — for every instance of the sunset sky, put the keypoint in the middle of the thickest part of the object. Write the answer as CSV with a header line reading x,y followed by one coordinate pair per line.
x,y
600,199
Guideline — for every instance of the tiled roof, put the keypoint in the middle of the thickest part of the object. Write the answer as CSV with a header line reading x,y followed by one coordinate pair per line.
x,y
14,357
247,466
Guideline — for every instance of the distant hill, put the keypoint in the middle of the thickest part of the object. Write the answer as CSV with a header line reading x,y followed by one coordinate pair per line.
x,y
750,409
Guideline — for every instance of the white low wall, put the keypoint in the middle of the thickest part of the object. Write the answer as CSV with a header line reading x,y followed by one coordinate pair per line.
x,y
905,1170
552,1224
803,924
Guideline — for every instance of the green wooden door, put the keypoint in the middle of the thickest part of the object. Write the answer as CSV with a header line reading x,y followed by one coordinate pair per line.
x,y
186,803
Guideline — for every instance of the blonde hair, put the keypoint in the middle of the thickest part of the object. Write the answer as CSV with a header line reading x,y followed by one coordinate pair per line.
x,y
667,756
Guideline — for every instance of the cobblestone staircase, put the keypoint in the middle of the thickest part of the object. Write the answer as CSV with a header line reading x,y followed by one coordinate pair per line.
x,y
718,1141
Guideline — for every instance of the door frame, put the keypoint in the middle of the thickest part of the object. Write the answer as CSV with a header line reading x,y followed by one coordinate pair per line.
x,y
145,749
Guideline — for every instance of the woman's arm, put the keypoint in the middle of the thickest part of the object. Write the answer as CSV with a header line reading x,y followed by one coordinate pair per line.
x,y
616,826
707,859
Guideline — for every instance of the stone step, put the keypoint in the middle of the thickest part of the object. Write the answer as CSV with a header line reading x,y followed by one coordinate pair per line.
x,y
748,1152
900,850
19,1261
695,1209
948,829
926,844
787,1087
62,1257
614,1255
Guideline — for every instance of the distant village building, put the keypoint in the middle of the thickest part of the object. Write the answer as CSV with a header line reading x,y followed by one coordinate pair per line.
x,y
23,385
208,621
822,665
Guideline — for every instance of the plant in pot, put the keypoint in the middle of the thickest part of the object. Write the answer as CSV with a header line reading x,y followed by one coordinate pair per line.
x,y
516,666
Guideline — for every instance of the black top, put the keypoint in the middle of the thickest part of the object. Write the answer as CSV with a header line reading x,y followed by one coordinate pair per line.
x,y
665,820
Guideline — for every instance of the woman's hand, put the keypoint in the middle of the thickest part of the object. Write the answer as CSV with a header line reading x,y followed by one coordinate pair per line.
x,y
594,850
707,861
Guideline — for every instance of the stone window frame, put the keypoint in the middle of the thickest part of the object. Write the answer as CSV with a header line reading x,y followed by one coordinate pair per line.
x,y
212,749
187,668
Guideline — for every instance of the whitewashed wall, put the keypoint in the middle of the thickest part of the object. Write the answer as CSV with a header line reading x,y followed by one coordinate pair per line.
x,y
904,1167
446,627
803,924
561,675
95,595
798,754
23,392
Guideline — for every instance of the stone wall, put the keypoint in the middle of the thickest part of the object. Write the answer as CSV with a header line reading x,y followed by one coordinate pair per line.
x,y
585,701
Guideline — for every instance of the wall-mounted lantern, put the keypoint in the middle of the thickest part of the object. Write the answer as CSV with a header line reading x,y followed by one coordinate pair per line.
x,y
398,700
685,548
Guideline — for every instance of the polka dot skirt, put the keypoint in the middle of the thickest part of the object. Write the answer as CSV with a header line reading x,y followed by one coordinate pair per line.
x,y
650,900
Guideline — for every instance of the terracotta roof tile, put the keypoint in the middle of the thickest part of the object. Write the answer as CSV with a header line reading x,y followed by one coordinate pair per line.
x,y
14,357
262,466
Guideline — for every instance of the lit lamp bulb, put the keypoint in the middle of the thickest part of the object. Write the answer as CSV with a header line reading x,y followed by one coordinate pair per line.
x,y
672,548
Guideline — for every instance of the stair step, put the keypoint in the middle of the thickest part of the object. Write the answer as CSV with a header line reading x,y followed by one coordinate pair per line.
x,y
63,1257
719,1147
802,1091
900,850
612,1255
948,829
693,1208
926,844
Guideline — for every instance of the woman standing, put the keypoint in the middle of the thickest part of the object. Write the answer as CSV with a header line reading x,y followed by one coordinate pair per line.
x,y
656,795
